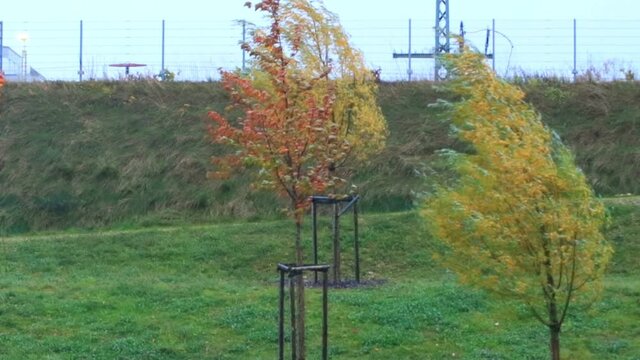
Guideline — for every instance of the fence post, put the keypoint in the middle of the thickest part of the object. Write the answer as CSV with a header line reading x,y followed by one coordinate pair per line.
x,y
244,40
80,70
294,332
281,319
575,70
1,44
409,71
325,315
493,44
314,228
356,241
336,244
162,62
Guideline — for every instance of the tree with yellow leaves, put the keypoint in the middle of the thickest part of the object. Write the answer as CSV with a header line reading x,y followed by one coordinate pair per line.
x,y
521,220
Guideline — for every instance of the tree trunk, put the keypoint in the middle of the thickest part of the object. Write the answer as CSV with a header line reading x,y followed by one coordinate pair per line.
x,y
554,330
555,322
555,342
300,311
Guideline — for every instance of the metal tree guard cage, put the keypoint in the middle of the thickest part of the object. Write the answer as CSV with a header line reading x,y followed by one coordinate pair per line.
x,y
294,271
351,203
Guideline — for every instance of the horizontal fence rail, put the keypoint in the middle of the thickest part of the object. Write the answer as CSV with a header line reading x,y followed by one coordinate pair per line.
x,y
196,50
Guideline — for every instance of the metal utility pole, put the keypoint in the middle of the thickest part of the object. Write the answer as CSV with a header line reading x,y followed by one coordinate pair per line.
x,y
442,38
442,42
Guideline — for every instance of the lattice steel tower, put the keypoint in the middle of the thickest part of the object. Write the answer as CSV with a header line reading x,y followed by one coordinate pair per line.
x,y
442,38
442,43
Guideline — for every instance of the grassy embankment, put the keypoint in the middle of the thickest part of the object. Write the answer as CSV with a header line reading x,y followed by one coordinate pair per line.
x,y
128,154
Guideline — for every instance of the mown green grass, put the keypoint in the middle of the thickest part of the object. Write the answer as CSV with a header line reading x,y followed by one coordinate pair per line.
x,y
210,292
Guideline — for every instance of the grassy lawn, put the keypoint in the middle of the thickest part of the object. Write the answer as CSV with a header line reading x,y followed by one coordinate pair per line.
x,y
210,292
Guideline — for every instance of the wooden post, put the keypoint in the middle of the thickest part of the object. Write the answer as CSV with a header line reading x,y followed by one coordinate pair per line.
x,y
281,318
314,228
325,321
294,334
336,244
356,241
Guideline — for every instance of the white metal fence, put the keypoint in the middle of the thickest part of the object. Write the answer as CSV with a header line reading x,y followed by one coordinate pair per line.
x,y
195,50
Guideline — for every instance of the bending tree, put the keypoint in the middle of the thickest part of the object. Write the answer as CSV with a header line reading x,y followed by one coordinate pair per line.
x,y
521,220
308,104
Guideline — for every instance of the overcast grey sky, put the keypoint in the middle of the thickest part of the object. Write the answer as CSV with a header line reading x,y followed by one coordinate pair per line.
x,y
128,30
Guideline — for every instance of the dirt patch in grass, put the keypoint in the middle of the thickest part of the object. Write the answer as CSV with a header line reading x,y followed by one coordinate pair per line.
x,y
347,284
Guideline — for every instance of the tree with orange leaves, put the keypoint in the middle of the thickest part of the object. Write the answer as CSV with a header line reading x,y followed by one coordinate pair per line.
x,y
308,105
